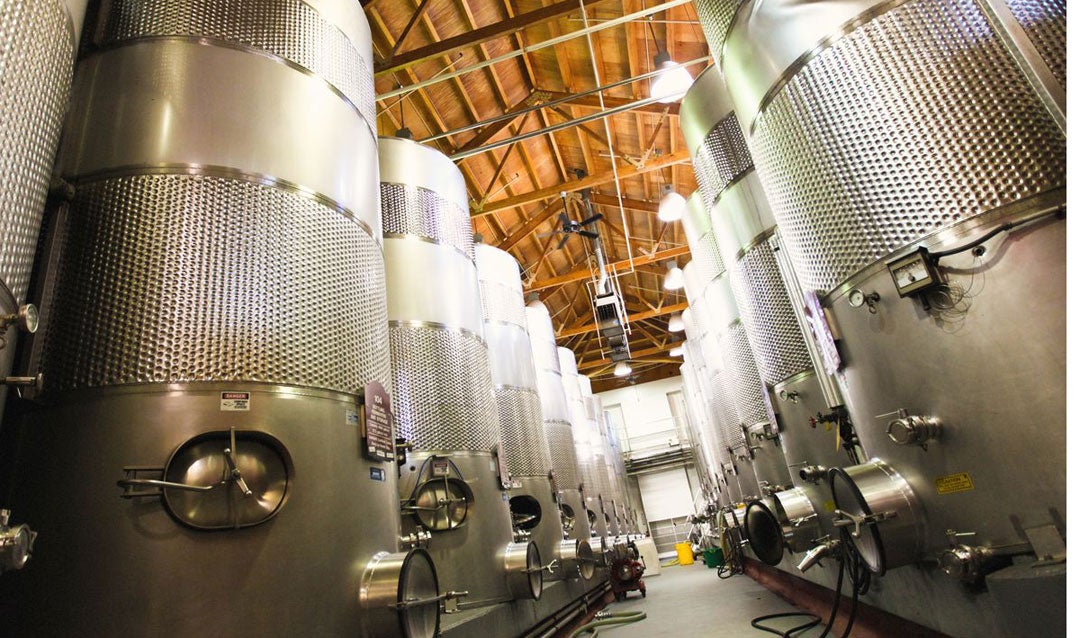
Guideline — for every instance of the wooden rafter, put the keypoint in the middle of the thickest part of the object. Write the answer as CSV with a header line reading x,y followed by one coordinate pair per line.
x,y
580,274
653,164
628,203
638,316
478,36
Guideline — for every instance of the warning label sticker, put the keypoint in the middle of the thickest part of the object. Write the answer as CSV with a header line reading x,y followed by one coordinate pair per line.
x,y
235,401
959,482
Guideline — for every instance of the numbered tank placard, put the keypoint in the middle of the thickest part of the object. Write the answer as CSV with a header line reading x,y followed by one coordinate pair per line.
x,y
959,482
235,402
377,424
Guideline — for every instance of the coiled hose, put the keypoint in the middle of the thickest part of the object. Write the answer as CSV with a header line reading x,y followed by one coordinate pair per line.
x,y
859,573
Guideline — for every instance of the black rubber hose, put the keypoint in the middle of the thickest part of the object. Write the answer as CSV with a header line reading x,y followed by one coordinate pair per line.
x,y
756,623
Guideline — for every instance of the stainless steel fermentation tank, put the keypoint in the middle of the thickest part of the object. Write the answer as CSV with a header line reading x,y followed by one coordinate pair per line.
x,y
214,310
37,54
731,209
454,479
594,412
574,552
700,405
584,445
729,371
533,502
893,140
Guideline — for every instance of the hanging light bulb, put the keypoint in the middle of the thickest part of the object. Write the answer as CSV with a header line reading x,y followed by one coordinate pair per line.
x,y
672,205
673,83
676,352
673,280
622,369
676,324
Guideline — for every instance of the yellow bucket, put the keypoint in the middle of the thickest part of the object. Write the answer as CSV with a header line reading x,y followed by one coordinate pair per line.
x,y
686,555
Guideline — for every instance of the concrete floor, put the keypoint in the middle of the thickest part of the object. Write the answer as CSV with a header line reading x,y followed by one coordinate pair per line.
x,y
691,601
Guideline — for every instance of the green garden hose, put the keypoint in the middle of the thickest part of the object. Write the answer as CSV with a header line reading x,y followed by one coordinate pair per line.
x,y
614,618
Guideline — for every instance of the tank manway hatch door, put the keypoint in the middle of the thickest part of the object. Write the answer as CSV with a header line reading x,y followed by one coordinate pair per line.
x,y
224,479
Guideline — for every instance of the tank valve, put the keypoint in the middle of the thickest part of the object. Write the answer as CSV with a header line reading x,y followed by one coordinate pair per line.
x,y
419,538
814,555
970,564
813,473
768,489
16,543
26,318
911,430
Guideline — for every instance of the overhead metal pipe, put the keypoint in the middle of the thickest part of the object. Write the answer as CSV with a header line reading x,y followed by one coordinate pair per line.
x,y
553,103
538,46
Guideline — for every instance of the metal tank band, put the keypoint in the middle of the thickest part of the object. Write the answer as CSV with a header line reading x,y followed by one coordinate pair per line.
x,y
1011,151
39,41
513,372
331,48
443,398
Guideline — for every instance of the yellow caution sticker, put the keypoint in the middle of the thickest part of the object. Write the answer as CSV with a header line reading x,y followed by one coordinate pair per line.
x,y
830,506
959,482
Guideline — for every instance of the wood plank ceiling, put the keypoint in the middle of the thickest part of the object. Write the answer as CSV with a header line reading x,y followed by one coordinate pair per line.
x,y
515,185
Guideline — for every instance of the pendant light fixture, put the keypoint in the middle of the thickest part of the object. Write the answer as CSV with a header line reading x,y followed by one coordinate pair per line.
x,y
675,324
672,205
622,369
673,280
674,81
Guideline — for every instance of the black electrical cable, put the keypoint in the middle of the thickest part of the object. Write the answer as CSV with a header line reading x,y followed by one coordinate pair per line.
x,y
1000,229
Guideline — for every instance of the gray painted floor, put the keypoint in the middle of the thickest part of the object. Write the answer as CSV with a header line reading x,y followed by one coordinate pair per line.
x,y
691,601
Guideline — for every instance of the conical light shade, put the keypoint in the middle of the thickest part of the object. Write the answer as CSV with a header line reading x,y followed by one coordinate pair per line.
x,y
676,323
672,205
671,85
673,280
622,369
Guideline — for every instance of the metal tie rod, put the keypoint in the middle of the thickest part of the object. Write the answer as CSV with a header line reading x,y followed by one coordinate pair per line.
x,y
557,127
630,17
509,115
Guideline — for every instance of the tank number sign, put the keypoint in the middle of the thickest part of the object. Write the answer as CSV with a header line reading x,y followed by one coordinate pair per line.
x,y
959,482
377,425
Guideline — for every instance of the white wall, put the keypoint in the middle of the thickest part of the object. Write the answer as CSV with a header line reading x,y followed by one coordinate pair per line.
x,y
665,494
644,407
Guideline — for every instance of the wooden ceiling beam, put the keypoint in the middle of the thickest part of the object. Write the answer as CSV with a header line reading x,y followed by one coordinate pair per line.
x,y
654,164
637,316
629,204
580,274
553,208
481,35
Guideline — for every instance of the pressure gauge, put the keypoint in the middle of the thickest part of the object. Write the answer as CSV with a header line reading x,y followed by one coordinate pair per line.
x,y
914,272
